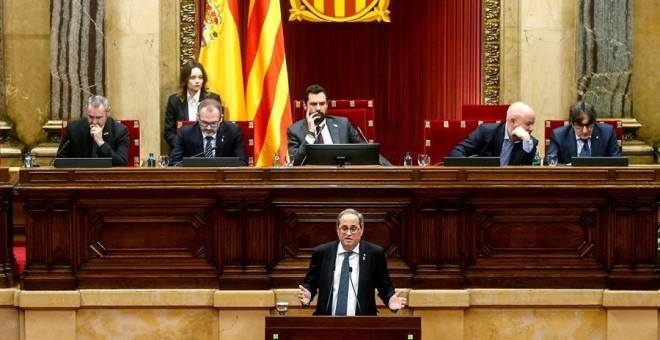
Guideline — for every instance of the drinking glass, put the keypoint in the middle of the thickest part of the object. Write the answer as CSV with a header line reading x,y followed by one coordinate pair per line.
x,y
282,308
422,159
164,160
552,159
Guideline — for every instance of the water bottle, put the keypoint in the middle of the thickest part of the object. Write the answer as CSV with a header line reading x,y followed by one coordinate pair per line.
x,y
276,160
537,159
27,162
407,161
151,160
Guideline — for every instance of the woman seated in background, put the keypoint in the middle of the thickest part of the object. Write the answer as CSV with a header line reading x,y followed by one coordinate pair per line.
x,y
183,104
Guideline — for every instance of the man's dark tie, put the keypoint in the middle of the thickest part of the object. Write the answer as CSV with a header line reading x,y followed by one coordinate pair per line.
x,y
585,152
342,293
208,149
319,135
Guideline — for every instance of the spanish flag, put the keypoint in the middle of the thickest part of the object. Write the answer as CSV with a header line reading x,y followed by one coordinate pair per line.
x,y
267,91
221,55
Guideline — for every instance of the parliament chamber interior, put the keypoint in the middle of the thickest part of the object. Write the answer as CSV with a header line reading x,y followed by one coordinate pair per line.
x,y
150,251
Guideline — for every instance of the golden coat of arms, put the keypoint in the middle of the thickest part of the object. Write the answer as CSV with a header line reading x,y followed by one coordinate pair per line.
x,y
340,10
213,20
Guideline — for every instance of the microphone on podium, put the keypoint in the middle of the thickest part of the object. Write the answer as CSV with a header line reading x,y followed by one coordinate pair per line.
x,y
350,279
332,283
363,136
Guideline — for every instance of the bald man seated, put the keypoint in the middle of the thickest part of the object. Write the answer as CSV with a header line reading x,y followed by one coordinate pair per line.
x,y
510,140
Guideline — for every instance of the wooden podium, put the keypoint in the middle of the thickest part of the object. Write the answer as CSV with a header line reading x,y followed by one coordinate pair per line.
x,y
347,327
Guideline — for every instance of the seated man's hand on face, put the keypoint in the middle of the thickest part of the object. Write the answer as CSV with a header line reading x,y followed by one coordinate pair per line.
x,y
97,133
521,133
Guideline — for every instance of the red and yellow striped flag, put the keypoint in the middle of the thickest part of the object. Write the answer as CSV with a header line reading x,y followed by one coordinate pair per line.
x,y
267,92
221,55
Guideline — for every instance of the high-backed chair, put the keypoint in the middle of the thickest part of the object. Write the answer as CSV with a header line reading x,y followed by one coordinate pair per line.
x,y
484,112
133,127
359,112
247,131
440,136
552,124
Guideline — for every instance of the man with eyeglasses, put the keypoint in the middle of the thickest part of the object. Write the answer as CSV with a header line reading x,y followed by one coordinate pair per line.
x,y
210,136
345,273
96,136
584,137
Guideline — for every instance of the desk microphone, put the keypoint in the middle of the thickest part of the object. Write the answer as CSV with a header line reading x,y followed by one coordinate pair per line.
x,y
61,150
350,279
332,283
363,136
204,152
179,163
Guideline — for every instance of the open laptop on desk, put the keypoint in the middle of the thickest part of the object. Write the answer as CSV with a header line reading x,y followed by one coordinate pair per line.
x,y
82,162
211,162
599,161
472,161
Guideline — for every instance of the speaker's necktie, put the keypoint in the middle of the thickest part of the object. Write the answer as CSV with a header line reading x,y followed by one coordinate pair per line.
x,y
342,293
208,149
585,152
319,135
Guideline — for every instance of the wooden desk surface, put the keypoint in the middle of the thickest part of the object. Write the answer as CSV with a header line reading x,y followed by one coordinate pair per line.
x,y
255,228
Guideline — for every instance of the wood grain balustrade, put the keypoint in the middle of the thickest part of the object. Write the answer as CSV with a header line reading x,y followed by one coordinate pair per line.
x,y
254,228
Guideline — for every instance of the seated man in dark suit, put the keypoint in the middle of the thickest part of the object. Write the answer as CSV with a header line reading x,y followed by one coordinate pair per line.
x,y
320,128
210,136
96,135
584,137
342,290
510,140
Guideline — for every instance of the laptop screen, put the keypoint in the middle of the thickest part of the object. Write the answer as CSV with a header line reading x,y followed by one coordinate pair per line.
x,y
472,161
599,161
82,162
211,162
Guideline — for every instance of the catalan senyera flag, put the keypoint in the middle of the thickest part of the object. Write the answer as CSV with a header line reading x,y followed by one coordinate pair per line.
x,y
221,55
267,91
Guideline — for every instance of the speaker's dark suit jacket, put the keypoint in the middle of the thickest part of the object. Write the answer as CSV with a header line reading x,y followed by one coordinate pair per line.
x,y
190,142
78,143
486,141
373,275
564,145
177,109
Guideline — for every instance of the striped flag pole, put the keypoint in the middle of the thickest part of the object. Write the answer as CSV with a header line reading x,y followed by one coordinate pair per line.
x,y
267,92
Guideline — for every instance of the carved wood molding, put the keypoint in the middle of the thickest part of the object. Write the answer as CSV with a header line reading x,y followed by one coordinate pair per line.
x,y
490,64
187,30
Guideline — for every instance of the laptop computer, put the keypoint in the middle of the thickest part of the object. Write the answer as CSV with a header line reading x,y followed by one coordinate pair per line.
x,y
472,161
211,162
599,161
82,162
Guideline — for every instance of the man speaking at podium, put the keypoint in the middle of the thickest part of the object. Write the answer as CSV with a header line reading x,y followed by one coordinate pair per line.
x,y
345,273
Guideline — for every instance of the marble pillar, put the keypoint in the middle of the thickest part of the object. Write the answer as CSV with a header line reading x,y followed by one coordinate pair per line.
x,y
604,67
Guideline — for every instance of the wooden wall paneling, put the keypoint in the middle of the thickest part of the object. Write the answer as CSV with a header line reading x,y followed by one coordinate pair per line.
x,y
509,245
634,253
48,230
8,267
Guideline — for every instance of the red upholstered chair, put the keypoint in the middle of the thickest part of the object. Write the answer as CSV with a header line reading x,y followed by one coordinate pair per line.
x,y
553,124
133,127
440,136
359,112
247,130
484,112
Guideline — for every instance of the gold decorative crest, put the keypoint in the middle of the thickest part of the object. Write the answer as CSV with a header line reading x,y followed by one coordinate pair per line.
x,y
361,11
213,20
